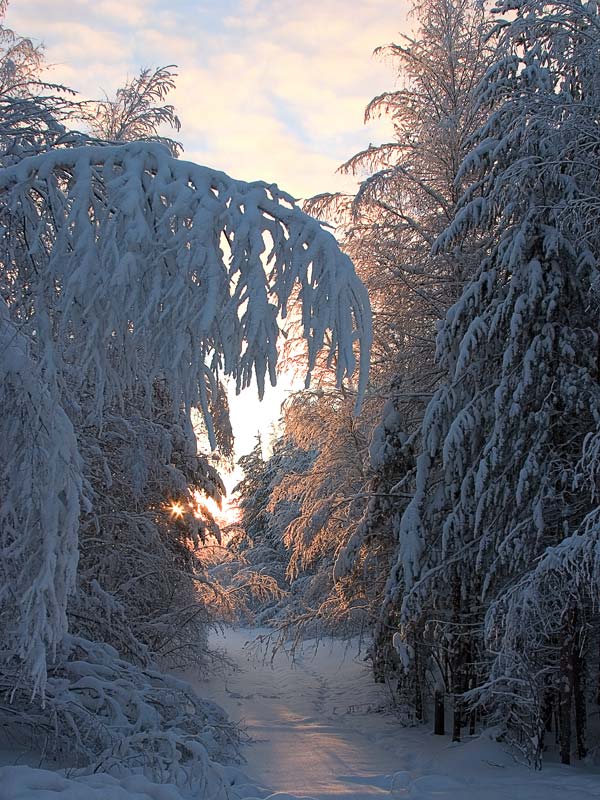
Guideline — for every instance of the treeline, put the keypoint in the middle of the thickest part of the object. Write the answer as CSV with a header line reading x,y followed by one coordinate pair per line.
x,y
456,520
130,283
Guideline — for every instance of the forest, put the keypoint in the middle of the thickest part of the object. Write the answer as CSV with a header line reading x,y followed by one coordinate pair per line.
x,y
430,497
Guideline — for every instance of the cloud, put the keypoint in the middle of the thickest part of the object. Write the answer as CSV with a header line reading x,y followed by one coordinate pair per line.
x,y
271,89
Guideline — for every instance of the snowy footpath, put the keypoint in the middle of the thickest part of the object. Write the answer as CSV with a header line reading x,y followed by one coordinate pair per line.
x,y
316,731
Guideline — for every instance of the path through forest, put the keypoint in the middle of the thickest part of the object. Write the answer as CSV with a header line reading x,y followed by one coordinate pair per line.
x,y
317,729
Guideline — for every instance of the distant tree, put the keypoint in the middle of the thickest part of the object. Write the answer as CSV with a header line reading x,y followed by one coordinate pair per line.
x,y
366,555
253,494
264,520
409,196
21,62
137,112
258,557
317,504
33,111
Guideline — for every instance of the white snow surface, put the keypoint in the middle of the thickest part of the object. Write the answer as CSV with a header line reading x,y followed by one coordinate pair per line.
x,y
27,783
318,730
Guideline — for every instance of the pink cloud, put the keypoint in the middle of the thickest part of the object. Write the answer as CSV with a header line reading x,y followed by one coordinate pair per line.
x,y
244,84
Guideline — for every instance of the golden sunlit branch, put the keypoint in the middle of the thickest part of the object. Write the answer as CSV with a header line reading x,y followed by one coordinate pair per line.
x,y
224,514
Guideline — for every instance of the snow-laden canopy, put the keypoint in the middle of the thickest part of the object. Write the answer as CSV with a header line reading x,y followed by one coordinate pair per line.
x,y
121,267
127,250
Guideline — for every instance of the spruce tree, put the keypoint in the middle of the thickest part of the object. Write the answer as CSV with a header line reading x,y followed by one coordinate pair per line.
x,y
497,479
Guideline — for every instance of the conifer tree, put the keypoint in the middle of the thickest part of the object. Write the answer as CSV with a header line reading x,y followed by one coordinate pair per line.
x,y
497,481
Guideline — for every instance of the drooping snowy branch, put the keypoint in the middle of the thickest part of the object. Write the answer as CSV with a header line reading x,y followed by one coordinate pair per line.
x,y
125,273
40,489
137,265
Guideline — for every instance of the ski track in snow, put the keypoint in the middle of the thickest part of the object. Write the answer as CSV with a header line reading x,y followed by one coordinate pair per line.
x,y
315,731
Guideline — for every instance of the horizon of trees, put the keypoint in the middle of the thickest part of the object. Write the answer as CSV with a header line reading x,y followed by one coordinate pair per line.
x,y
455,521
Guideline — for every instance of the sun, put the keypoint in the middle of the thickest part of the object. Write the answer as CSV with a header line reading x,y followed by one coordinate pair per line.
x,y
176,509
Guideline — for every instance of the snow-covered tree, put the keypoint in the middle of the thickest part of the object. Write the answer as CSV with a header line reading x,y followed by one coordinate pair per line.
x,y
410,193
33,112
142,586
257,557
20,61
318,503
497,481
40,489
263,520
137,112
389,228
126,268
130,283
368,551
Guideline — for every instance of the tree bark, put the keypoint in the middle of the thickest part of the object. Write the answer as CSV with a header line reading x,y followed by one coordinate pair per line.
x,y
578,672
419,712
456,720
439,716
566,686
457,660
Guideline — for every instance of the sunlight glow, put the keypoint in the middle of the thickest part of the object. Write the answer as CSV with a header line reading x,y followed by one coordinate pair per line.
x,y
225,515
176,510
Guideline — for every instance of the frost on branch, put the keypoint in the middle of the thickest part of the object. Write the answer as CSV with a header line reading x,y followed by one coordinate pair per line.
x,y
126,271
40,487
140,266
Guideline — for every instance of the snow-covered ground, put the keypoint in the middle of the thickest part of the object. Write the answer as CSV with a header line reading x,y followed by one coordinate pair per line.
x,y
316,731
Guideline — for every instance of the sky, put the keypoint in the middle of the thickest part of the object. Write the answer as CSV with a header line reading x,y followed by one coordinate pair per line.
x,y
267,89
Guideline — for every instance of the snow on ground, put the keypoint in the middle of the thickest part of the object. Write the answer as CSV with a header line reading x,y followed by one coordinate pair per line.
x,y
26,783
316,731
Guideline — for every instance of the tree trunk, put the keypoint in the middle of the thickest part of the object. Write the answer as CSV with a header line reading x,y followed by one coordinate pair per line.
x,y
548,708
383,655
458,666
439,717
472,723
566,686
419,713
456,720
578,692
470,679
